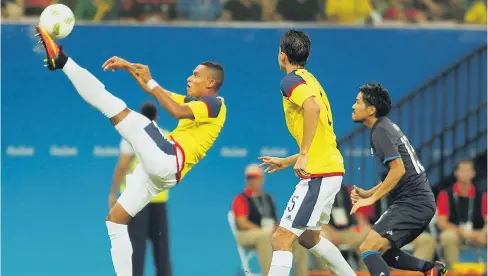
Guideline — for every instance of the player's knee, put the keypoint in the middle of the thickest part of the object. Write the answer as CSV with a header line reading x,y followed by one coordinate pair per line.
x,y
379,244
118,215
282,240
309,239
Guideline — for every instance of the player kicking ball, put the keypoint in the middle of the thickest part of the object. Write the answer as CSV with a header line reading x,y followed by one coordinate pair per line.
x,y
404,179
319,165
163,162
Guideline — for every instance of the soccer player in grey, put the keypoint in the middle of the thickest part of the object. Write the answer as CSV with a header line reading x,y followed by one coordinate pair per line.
x,y
404,178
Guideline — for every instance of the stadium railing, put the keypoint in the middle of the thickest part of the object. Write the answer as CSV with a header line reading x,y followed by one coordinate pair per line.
x,y
445,119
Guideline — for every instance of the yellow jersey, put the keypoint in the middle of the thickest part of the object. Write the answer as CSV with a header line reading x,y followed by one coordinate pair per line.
x,y
324,158
196,136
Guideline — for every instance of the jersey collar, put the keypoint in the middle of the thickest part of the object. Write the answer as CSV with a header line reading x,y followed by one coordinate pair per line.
x,y
457,190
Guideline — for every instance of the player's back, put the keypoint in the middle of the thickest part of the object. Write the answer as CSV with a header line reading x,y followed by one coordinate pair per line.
x,y
414,182
196,136
324,158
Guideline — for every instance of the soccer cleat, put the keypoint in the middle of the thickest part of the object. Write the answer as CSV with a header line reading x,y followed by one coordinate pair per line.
x,y
53,50
439,267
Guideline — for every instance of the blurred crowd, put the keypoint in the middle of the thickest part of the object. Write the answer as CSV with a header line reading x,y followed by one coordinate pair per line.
x,y
330,11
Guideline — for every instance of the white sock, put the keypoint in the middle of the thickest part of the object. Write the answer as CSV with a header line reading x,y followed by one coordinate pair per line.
x,y
332,255
281,263
121,248
92,90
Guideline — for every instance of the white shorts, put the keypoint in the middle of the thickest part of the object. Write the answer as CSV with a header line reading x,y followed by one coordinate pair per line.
x,y
311,204
160,162
140,189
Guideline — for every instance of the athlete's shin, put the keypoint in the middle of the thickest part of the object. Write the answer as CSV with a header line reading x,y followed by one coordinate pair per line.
x,y
121,248
92,90
333,257
282,242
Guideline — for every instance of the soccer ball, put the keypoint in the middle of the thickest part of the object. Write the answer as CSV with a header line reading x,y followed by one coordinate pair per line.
x,y
58,20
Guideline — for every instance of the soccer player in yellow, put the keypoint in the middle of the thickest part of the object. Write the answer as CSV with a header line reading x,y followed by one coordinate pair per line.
x,y
163,161
319,164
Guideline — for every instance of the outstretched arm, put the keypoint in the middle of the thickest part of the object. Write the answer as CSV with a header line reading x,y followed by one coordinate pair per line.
x,y
142,75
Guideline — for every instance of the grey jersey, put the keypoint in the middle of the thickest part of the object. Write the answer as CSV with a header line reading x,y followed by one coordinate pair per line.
x,y
388,143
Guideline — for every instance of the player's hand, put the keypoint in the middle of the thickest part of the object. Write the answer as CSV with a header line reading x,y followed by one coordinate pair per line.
x,y
142,71
115,63
272,164
362,202
112,199
141,74
358,193
301,165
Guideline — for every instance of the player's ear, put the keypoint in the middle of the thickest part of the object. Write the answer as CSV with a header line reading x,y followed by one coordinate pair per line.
x,y
371,110
211,83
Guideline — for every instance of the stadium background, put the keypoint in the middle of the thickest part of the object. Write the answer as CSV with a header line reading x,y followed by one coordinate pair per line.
x,y
58,153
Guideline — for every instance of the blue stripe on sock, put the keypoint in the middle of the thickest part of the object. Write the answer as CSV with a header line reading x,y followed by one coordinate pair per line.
x,y
368,253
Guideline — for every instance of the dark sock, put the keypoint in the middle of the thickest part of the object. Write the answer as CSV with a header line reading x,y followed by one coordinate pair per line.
x,y
401,260
62,59
376,265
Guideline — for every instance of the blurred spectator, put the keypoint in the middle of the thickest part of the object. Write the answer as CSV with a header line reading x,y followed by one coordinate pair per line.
x,y
143,10
35,7
92,10
405,11
461,213
200,10
298,10
256,219
454,10
12,9
242,10
476,13
423,246
348,11
344,229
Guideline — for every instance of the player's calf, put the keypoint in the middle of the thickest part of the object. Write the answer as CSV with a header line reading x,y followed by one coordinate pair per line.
x,y
121,247
327,251
371,250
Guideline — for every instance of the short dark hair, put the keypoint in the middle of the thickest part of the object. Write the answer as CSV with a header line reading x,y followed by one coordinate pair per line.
x,y
465,160
219,72
149,110
296,46
376,95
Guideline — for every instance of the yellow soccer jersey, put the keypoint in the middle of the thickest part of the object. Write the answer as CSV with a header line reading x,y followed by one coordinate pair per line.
x,y
324,159
196,136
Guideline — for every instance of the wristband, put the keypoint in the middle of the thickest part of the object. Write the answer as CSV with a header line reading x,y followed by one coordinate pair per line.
x,y
152,84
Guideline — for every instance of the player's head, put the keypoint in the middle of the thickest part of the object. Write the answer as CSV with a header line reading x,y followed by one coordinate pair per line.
x,y
149,110
254,177
373,101
465,171
294,49
206,79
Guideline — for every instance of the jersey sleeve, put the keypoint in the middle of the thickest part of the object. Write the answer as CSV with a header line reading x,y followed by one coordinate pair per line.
x,y
205,108
239,206
177,97
484,211
385,147
442,204
295,88
126,148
